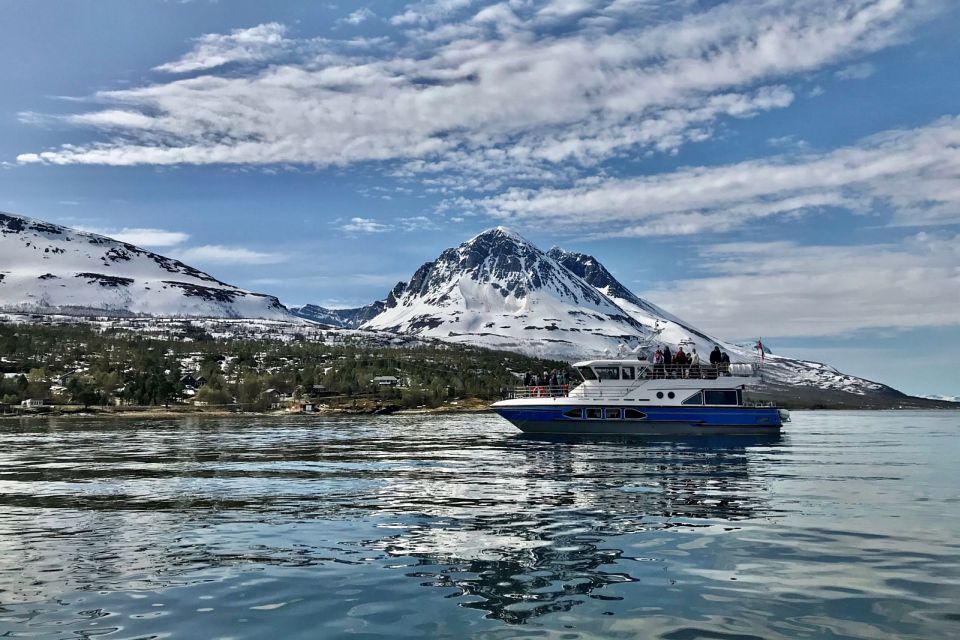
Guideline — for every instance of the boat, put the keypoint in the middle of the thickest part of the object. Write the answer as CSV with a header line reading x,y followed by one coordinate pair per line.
x,y
635,397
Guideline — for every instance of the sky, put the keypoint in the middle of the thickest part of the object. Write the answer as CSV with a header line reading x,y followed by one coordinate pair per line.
x,y
784,169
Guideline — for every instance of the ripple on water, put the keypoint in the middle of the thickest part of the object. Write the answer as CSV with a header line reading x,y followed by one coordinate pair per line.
x,y
846,526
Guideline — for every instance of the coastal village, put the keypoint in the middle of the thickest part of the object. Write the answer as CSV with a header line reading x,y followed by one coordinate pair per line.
x,y
188,366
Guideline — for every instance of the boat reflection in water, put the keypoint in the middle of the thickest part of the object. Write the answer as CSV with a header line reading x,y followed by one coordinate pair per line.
x,y
544,537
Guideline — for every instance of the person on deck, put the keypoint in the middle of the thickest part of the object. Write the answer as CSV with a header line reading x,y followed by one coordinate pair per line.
x,y
667,361
715,358
658,364
694,363
680,363
725,363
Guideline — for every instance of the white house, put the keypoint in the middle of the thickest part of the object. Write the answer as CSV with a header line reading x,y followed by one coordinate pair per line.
x,y
32,403
386,381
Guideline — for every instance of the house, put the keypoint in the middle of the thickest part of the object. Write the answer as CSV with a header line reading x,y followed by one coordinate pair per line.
x,y
272,397
32,403
386,381
320,391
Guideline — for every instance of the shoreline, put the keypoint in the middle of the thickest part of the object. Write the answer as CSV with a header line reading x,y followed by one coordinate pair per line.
x,y
188,412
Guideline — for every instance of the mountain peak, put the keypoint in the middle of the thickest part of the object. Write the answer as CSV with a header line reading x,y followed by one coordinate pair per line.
x,y
498,233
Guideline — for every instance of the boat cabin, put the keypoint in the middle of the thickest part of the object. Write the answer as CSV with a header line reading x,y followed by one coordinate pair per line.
x,y
638,383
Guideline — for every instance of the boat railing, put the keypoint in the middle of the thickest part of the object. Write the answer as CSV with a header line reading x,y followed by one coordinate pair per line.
x,y
542,391
702,371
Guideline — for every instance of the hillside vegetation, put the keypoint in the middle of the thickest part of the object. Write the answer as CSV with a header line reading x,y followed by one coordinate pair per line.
x,y
80,365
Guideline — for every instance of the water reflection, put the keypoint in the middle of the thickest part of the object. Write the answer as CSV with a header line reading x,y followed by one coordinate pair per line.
x,y
515,527
428,527
539,538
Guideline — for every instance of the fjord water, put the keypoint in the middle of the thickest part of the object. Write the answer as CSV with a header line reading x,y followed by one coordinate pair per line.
x,y
845,526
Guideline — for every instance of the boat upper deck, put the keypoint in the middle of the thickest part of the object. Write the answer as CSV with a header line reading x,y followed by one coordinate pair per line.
x,y
619,377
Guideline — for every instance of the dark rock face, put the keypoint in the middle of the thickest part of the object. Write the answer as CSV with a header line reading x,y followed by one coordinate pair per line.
x,y
11,224
206,293
590,269
105,280
502,260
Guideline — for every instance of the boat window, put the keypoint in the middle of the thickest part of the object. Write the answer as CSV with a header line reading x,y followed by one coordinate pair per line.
x,y
628,373
572,413
633,414
587,373
608,373
720,396
696,398
594,413
612,414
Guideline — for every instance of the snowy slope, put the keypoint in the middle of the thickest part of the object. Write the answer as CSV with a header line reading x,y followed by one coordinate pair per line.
x,y
500,291
343,318
777,369
47,268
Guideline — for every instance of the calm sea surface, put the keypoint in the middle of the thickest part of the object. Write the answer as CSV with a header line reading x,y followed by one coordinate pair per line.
x,y
846,526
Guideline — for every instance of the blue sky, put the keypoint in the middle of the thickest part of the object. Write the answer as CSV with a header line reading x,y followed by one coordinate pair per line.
x,y
781,168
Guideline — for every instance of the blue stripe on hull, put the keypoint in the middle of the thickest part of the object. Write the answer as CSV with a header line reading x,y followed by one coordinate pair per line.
x,y
659,421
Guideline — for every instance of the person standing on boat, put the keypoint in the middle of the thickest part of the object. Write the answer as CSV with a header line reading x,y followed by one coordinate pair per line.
x,y
694,363
658,364
667,361
680,360
715,358
725,363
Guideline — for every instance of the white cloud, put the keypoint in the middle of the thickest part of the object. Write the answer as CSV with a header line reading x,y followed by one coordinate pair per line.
x,y
566,8
915,173
428,11
787,289
364,225
360,15
493,95
419,223
860,71
240,45
141,237
219,254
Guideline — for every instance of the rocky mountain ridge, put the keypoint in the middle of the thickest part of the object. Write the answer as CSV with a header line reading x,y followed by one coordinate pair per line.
x,y
499,290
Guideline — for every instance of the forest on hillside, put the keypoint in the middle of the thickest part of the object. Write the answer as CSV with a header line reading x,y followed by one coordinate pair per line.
x,y
84,366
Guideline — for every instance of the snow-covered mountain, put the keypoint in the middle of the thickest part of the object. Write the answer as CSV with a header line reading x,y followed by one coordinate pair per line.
x,y
777,369
342,318
47,268
500,291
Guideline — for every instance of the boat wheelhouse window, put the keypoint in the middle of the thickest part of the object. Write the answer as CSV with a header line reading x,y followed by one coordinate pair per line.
x,y
573,413
608,373
611,414
633,414
587,373
628,373
696,398
594,413
720,396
